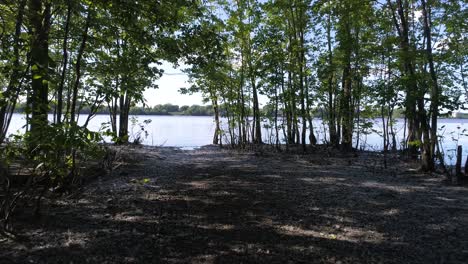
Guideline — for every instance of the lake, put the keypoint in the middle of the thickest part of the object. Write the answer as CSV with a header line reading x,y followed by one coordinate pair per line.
x,y
194,131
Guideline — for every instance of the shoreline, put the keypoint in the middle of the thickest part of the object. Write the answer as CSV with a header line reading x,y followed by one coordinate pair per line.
x,y
184,115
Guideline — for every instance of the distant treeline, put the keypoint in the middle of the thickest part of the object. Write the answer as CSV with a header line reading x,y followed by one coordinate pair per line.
x,y
198,110
170,109
160,109
207,110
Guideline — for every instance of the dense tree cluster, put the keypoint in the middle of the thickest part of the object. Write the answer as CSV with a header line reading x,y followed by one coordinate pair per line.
x,y
63,56
347,57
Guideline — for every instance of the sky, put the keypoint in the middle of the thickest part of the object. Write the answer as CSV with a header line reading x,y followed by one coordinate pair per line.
x,y
169,85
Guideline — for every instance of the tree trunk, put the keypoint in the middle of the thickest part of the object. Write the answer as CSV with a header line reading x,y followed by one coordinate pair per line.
x,y
79,58
427,163
458,173
288,110
256,111
302,88
40,14
58,117
435,86
217,133
402,28
11,93
277,142
334,141
312,138
466,167
347,125
243,123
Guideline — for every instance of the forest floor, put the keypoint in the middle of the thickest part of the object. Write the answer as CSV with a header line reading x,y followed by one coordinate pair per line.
x,y
212,205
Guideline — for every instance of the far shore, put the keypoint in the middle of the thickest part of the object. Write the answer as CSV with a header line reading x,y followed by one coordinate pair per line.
x,y
181,114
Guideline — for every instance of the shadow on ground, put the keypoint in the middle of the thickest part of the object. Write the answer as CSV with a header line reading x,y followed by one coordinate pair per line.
x,y
214,206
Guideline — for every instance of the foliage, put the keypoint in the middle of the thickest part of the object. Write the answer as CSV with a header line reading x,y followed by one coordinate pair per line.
x,y
76,57
51,165
137,137
344,59
354,61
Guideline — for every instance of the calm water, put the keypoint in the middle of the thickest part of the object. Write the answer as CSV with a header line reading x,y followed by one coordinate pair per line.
x,y
195,131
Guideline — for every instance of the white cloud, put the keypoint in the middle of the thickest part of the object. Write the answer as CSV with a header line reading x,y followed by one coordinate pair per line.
x,y
169,85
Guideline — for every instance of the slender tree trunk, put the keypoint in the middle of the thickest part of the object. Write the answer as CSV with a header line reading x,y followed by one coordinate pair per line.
x,y
285,117
58,116
434,85
79,61
358,112
243,117
425,146
312,138
10,96
288,110
276,111
385,135
217,133
345,108
113,107
40,15
346,98
411,88
391,108
347,123
334,141
256,112
125,102
302,88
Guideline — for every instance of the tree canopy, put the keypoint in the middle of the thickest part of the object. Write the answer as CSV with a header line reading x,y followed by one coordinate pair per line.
x,y
350,59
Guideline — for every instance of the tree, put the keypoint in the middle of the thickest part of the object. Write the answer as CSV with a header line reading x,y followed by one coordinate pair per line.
x,y
16,70
208,67
39,21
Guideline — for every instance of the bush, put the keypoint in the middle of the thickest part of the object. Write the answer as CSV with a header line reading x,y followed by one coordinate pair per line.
x,y
52,162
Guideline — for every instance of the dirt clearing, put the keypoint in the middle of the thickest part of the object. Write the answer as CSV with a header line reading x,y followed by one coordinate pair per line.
x,y
219,206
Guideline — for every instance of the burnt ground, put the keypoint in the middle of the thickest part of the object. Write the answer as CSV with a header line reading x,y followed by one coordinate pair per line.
x,y
219,206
